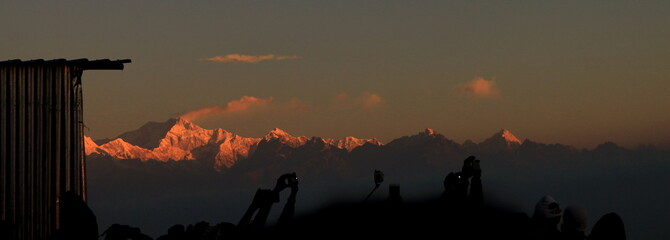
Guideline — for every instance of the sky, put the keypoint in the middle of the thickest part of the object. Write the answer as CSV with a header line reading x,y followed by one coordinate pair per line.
x,y
573,72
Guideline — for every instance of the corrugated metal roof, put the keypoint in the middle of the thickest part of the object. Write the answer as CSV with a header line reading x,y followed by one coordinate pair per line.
x,y
82,63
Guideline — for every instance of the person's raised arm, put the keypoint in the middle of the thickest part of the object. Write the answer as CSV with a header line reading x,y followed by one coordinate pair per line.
x,y
253,207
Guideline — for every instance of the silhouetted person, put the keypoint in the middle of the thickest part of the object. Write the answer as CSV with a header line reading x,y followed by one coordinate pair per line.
x,y
545,219
124,232
77,221
456,185
574,223
609,227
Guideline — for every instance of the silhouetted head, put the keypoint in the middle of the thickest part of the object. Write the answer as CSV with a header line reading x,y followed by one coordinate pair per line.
x,y
76,218
574,219
608,227
450,181
72,208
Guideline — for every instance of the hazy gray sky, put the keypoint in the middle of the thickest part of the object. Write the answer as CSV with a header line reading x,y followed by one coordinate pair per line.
x,y
574,72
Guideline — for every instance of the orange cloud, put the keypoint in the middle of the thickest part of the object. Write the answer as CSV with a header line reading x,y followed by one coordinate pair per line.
x,y
239,58
342,97
366,99
370,99
239,105
480,87
296,104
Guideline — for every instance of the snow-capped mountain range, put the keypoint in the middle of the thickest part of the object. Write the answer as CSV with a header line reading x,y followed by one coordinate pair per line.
x,y
179,139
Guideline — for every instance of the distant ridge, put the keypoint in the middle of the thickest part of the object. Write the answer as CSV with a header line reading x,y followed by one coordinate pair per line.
x,y
181,140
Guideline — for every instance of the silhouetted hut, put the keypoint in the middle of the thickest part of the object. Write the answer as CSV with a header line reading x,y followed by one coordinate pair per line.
x,y
41,141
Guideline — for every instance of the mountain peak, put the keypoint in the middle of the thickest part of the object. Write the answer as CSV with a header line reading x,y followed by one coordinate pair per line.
x,y
150,134
285,138
428,131
503,140
277,133
180,125
508,136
